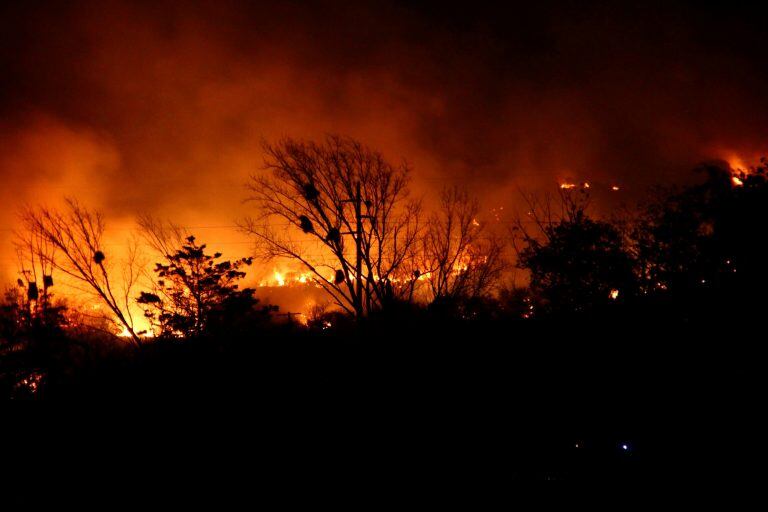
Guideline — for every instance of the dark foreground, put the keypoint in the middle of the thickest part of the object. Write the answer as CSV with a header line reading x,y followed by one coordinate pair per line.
x,y
454,408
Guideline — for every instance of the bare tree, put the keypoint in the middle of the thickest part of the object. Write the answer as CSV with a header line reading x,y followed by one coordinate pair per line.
x,y
459,257
569,205
76,235
161,236
343,212
35,256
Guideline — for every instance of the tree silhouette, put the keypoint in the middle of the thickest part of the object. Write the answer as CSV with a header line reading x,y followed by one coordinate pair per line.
x,y
700,240
195,290
76,238
458,258
36,262
575,263
343,212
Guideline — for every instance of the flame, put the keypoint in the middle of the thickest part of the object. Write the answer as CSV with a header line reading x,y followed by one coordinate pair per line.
x,y
283,277
567,185
85,312
615,188
144,333
31,382
614,294
737,163
739,168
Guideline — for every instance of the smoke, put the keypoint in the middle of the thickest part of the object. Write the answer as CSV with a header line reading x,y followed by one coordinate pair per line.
x,y
161,107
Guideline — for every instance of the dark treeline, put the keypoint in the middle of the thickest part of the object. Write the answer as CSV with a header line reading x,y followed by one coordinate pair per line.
x,y
633,336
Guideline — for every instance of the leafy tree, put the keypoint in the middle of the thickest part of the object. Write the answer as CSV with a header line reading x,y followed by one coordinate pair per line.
x,y
700,245
575,263
196,292
516,302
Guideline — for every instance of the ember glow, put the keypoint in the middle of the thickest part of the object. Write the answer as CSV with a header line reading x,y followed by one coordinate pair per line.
x,y
285,277
741,166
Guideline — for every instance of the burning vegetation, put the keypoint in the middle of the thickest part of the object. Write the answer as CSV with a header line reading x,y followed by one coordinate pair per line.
x,y
336,224
548,265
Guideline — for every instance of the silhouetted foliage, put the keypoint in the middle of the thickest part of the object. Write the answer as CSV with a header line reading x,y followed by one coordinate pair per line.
x,y
458,259
517,303
700,247
643,300
576,263
75,236
196,293
321,318
33,343
350,208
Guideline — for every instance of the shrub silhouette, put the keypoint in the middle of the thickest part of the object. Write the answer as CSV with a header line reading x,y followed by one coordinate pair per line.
x,y
195,293
579,264
700,247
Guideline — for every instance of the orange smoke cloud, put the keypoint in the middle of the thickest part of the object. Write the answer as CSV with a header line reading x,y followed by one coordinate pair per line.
x,y
135,107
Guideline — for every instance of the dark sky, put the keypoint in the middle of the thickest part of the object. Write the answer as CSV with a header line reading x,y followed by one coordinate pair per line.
x,y
161,105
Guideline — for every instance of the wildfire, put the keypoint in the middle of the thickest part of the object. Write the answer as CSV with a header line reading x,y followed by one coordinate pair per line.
x,y
739,169
424,276
614,294
87,313
124,333
736,163
30,383
282,278
567,185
